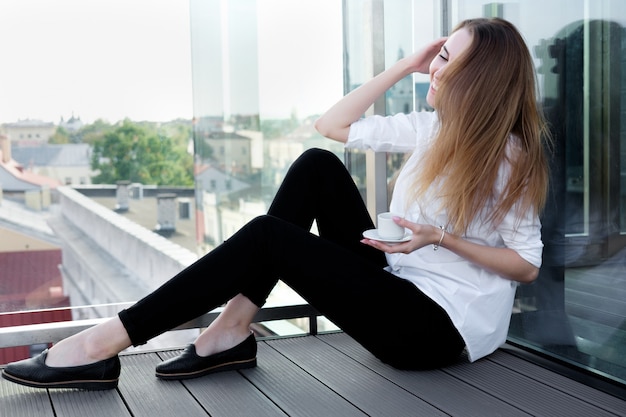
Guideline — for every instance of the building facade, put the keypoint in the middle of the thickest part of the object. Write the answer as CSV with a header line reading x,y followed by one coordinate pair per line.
x,y
29,132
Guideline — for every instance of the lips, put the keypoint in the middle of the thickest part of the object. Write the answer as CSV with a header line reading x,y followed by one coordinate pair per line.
x,y
433,89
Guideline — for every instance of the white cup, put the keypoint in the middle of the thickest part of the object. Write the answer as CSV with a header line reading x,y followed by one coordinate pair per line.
x,y
387,228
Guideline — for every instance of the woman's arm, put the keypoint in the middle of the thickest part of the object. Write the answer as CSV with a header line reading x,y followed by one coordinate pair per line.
x,y
502,261
335,123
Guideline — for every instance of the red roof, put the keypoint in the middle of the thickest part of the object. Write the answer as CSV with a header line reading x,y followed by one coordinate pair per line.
x,y
30,280
17,170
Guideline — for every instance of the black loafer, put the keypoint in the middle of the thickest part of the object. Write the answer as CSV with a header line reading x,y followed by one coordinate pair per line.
x,y
189,365
34,372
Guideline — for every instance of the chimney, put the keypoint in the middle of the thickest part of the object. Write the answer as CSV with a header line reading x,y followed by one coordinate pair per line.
x,y
122,197
5,148
166,214
184,208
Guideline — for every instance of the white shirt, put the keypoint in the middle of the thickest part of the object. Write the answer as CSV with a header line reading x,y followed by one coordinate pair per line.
x,y
478,302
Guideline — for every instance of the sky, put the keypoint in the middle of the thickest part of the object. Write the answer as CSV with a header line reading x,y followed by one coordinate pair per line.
x,y
95,59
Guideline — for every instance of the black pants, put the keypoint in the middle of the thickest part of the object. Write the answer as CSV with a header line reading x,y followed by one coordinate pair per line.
x,y
342,278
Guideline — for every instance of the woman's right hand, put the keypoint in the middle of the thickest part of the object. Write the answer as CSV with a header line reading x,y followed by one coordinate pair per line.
x,y
335,123
420,61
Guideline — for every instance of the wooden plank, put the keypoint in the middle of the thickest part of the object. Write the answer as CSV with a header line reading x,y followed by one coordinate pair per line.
x,y
148,396
19,401
447,393
370,392
292,389
324,376
524,392
227,394
576,389
78,403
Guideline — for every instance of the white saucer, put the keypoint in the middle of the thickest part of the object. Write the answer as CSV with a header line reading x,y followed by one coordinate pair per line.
x,y
373,234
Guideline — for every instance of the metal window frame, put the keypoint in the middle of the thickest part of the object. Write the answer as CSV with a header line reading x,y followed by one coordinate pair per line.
x,y
32,334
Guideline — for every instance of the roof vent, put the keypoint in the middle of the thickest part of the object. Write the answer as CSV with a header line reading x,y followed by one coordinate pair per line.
x,y
184,208
122,196
166,214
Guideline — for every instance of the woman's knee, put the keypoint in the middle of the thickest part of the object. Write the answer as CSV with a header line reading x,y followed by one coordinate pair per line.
x,y
319,156
266,226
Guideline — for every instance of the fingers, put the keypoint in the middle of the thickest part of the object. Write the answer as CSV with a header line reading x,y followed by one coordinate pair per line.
x,y
393,248
438,43
427,54
403,222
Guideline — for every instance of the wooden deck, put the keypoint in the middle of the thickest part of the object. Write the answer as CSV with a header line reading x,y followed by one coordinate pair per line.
x,y
325,375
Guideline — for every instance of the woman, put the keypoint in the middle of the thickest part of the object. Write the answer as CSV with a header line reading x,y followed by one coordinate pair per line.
x,y
470,195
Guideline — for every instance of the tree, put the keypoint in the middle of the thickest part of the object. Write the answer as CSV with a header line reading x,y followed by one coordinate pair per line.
x,y
92,132
60,137
139,154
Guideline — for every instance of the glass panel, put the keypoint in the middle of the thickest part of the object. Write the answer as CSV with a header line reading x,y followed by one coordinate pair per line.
x,y
391,35
73,81
263,71
360,32
403,38
575,310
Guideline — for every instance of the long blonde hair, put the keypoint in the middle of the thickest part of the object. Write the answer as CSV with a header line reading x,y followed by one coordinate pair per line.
x,y
486,95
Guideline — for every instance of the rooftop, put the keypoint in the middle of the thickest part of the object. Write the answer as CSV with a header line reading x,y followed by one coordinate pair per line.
x,y
71,154
326,375
144,212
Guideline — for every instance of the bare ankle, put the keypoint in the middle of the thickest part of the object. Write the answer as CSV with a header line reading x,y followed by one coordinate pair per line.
x,y
213,340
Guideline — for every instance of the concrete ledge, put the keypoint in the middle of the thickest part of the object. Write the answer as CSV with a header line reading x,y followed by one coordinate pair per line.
x,y
153,258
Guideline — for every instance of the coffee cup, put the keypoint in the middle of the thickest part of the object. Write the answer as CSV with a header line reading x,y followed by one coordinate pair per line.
x,y
387,228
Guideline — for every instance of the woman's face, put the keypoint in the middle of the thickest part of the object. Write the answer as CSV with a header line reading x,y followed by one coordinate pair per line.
x,y
454,46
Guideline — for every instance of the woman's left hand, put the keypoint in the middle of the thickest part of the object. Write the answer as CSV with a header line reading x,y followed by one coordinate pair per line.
x,y
503,261
422,235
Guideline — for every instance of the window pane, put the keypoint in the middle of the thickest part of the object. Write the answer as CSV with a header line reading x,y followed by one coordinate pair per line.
x,y
575,310
263,71
377,35
78,70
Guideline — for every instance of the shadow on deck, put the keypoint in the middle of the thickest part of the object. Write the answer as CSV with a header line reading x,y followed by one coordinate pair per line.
x,y
324,375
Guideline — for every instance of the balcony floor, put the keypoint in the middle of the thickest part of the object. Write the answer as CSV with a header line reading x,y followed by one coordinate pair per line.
x,y
326,375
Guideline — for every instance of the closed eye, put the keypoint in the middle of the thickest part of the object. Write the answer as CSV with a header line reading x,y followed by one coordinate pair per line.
x,y
444,50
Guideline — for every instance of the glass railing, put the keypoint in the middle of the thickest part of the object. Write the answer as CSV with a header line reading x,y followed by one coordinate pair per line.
x,y
26,334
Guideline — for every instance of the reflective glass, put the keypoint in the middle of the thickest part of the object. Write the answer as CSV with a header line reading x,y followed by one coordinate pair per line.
x,y
263,71
377,35
81,71
575,310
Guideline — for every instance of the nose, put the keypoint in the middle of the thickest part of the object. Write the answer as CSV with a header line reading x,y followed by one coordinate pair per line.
x,y
435,74
435,70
